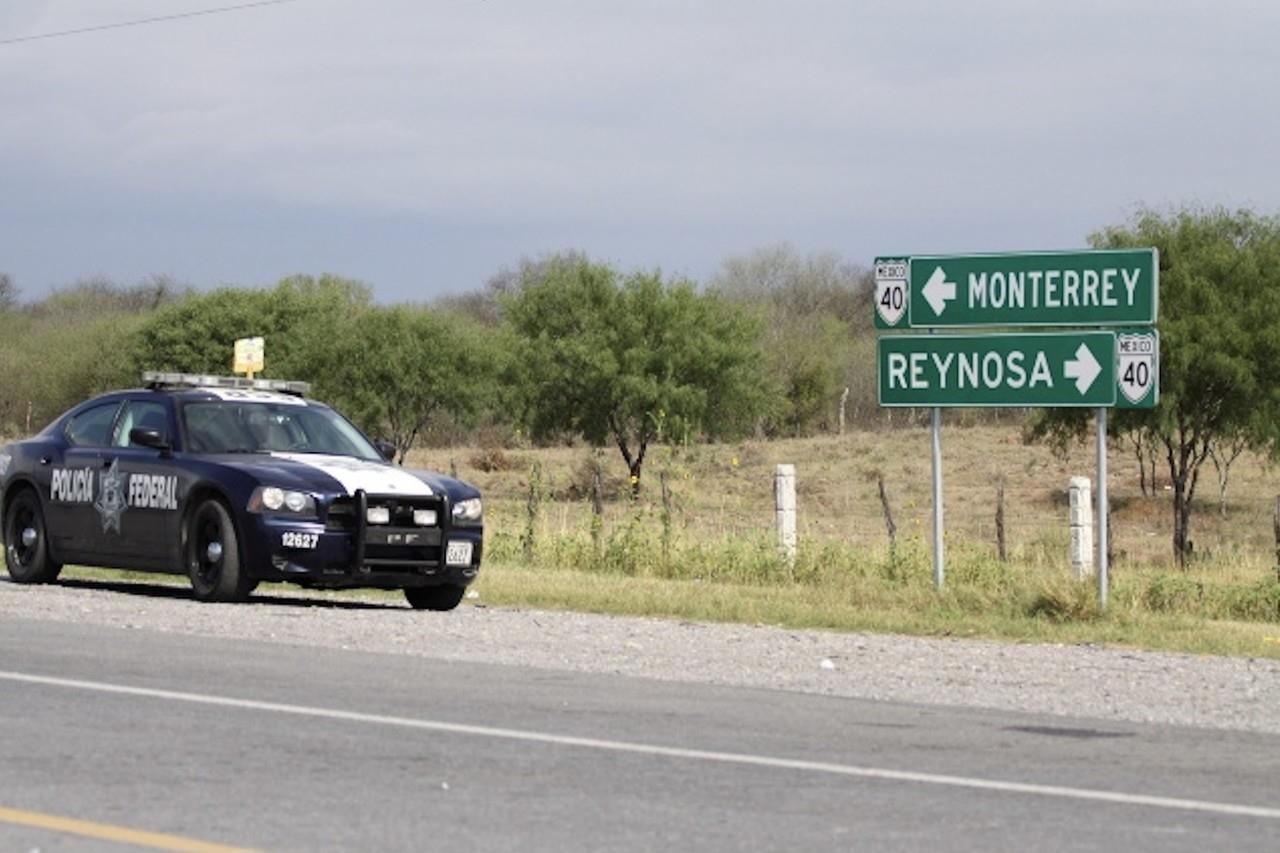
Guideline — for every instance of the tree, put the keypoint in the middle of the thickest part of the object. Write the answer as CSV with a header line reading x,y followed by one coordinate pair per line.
x,y
804,285
632,360
485,306
8,293
296,317
1219,343
395,369
99,295
815,308
71,344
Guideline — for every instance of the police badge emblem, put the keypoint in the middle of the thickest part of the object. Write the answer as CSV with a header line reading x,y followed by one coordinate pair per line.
x,y
111,502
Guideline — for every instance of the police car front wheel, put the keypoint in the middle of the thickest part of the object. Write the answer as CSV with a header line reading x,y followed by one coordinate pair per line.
x,y
444,597
213,555
26,549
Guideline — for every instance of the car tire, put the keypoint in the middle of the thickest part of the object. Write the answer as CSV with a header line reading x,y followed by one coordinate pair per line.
x,y
213,555
444,597
26,549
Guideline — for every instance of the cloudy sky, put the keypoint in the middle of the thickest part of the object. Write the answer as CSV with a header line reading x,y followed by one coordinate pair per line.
x,y
422,146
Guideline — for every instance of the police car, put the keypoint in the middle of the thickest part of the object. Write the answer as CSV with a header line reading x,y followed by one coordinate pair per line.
x,y
233,481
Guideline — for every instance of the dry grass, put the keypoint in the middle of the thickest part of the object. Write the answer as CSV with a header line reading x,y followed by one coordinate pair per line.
x,y
726,490
809,607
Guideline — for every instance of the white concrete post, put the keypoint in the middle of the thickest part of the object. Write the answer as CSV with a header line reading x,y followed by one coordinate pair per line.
x,y
1081,528
784,502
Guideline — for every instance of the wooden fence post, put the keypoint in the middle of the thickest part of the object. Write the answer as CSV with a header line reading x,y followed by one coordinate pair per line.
x,y
1000,551
532,501
1276,526
597,503
666,520
889,526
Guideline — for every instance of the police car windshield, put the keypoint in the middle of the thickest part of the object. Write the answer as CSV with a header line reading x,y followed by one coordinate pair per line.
x,y
263,427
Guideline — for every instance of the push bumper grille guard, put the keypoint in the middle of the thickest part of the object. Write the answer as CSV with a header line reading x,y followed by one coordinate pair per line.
x,y
364,563
362,513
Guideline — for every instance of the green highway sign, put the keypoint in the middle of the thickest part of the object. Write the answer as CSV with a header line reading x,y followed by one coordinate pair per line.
x,y
1030,369
1110,287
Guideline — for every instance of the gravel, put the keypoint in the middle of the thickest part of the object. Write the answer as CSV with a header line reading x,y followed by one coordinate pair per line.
x,y
1082,681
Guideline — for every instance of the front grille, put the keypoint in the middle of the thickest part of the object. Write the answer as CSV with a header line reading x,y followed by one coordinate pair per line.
x,y
400,545
341,516
405,555
342,511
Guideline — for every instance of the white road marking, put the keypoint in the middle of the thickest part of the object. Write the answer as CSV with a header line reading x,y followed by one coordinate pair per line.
x,y
746,759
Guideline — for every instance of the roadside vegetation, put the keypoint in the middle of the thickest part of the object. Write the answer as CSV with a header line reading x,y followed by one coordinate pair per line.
x,y
707,550
624,425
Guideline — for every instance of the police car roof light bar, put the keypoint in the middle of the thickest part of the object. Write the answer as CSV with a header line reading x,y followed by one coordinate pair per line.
x,y
156,379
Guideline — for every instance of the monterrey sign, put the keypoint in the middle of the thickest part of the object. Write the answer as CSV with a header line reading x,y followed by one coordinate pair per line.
x,y
1087,288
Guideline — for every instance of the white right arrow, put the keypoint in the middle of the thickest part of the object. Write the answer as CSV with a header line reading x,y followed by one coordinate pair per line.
x,y
1084,368
938,291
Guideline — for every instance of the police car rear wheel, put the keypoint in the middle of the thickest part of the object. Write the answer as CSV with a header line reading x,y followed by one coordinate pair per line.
x,y
213,555
26,551
445,597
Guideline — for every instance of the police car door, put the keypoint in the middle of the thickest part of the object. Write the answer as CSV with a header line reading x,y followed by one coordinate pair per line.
x,y
76,500
147,485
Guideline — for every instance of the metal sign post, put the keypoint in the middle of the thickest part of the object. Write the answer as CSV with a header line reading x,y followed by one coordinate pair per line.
x,y
1101,427
939,572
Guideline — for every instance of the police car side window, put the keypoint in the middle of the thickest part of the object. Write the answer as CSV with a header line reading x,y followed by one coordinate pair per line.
x,y
92,427
147,414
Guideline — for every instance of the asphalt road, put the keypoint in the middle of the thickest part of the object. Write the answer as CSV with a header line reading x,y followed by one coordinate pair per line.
x,y
273,746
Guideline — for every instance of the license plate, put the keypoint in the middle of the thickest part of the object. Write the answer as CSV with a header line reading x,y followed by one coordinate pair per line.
x,y
458,554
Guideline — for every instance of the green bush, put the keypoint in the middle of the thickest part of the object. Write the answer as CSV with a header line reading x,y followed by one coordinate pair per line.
x,y
1171,593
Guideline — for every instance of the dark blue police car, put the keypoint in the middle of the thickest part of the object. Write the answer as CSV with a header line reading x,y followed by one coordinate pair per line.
x,y
233,481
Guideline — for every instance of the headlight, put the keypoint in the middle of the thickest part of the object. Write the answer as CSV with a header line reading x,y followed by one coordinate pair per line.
x,y
469,511
283,501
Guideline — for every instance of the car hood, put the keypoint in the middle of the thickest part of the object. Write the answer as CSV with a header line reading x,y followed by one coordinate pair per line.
x,y
331,474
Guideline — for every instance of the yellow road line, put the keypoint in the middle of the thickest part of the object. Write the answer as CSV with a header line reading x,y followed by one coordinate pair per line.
x,y
107,832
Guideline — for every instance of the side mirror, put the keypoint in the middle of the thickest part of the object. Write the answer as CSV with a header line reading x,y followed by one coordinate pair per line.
x,y
387,449
144,437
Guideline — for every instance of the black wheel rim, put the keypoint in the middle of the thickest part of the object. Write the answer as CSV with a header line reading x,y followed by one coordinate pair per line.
x,y
23,518
208,531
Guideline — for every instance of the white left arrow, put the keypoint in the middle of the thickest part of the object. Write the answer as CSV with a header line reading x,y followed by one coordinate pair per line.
x,y
938,291
1084,368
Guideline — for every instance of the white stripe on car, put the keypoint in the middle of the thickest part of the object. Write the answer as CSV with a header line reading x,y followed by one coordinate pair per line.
x,y
374,477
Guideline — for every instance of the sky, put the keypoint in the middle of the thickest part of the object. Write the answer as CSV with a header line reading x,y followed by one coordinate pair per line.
x,y
424,146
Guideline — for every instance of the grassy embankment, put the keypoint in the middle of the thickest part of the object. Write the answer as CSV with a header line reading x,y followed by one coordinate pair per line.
x,y
718,562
